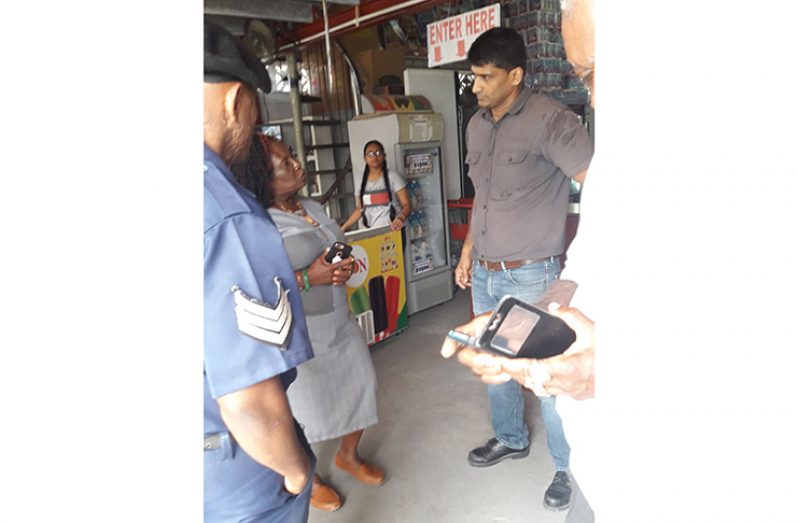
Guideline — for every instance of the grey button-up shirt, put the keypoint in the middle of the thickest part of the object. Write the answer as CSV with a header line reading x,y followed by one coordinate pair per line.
x,y
521,168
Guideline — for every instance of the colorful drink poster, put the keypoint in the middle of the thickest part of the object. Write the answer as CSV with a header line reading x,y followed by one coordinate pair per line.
x,y
376,290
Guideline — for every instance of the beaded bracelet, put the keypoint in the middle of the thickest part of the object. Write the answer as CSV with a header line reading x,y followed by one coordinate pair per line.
x,y
305,279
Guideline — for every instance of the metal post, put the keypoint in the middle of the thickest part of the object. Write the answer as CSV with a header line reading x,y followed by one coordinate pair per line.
x,y
296,107
327,46
355,87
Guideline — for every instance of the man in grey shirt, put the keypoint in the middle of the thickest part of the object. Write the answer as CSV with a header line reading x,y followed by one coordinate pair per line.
x,y
523,150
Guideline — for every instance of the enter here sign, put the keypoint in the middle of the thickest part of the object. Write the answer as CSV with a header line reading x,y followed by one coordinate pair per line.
x,y
448,40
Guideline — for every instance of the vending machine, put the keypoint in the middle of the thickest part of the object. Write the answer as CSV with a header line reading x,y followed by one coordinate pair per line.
x,y
412,142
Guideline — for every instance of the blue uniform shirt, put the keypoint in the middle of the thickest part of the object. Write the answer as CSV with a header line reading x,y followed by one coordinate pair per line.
x,y
254,330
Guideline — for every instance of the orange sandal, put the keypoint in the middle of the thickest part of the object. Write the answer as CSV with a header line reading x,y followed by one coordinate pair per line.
x,y
364,472
324,497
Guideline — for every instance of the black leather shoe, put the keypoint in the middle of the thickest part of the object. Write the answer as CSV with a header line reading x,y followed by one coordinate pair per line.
x,y
493,452
558,495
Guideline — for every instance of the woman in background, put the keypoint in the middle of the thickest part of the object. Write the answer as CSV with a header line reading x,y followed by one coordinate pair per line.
x,y
335,393
382,197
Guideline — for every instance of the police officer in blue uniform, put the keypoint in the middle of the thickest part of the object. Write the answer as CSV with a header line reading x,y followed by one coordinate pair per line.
x,y
258,464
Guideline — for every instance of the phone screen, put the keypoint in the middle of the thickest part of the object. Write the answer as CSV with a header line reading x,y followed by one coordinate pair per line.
x,y
514,330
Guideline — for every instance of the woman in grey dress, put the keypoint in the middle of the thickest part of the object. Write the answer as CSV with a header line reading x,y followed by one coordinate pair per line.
x,y
334,394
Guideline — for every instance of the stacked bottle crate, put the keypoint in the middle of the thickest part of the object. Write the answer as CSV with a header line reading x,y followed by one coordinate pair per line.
x,y
538,22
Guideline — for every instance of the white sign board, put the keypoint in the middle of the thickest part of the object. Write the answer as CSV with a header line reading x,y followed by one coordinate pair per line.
x,y
448,40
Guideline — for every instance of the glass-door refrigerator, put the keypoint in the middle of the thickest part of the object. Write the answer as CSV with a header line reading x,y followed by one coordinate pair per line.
x,y
427,271
412,142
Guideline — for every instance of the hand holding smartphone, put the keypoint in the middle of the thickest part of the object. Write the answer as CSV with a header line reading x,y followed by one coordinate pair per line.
x,y
338,252
519,330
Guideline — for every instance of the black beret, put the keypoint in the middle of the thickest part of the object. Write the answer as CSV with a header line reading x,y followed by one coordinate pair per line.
x,y
227,60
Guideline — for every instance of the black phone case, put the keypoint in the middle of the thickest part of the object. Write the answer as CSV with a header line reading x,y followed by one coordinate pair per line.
x,y
338,247
550,336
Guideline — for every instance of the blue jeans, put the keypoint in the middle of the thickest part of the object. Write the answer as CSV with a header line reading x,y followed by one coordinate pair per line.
x,y
528,283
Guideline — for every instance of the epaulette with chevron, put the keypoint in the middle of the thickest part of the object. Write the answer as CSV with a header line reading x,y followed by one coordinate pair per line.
x,y
261,321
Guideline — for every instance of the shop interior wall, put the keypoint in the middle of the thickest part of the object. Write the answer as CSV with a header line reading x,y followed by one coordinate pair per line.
x,y
376,60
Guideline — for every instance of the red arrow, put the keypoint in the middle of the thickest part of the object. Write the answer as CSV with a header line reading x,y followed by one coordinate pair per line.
x,y
461,48
438,53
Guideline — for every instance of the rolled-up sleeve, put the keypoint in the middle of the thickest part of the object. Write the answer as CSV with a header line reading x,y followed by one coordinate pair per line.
x,y
567,143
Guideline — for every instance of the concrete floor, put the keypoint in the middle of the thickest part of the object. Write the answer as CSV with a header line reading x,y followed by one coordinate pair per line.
x,y
432,413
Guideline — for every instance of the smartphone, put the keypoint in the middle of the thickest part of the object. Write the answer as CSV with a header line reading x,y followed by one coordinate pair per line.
x,y
519,330
338,252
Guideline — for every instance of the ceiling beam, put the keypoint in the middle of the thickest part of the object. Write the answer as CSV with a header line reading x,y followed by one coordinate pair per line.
x,y
284,10
234,24
369,12
341,2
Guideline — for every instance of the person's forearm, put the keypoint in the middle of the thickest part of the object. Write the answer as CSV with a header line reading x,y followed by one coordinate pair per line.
x,y
404,202
400,219
468,245
355,216
300,276
259,418
462,273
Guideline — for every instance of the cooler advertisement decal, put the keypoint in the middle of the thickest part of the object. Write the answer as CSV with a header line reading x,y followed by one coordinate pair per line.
x,y
376,290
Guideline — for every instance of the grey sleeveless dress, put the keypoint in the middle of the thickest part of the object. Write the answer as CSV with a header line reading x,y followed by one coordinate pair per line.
x,y
335,393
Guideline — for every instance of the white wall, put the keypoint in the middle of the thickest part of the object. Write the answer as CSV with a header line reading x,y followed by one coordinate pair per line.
x,y
438,86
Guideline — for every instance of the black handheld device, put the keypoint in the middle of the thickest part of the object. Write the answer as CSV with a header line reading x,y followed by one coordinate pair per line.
x,y
338,252
519,330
